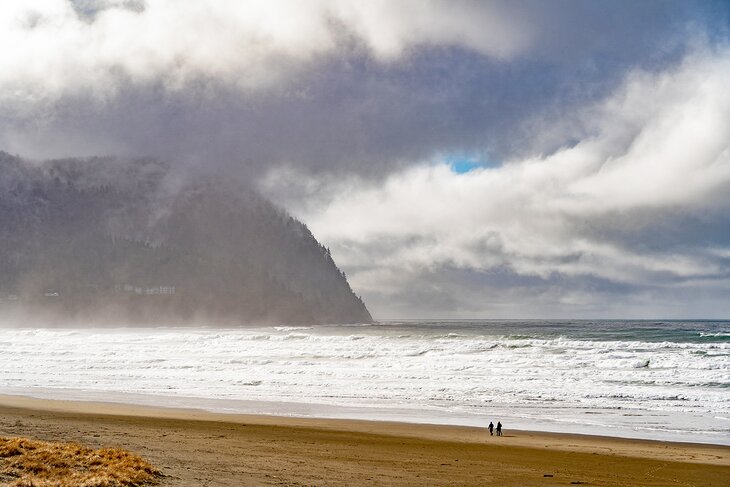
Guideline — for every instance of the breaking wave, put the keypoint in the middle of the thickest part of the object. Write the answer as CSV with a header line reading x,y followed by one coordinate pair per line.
x,y
447,367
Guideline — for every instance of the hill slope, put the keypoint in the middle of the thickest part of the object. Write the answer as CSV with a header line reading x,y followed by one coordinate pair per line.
x,y
127,242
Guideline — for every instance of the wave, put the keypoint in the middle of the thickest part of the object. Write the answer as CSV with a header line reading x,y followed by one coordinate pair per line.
x,y
296,336
426,368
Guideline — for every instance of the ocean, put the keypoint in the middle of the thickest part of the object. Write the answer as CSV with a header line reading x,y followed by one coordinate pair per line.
x,y
667,380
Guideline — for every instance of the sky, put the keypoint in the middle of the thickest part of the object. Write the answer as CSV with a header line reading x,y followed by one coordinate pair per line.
x,y
461,159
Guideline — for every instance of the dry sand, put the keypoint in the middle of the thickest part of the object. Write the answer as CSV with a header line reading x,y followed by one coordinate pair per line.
x,y
196,448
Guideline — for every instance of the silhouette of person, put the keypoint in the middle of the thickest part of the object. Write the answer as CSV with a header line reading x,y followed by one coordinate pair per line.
x,y
491,429
499,428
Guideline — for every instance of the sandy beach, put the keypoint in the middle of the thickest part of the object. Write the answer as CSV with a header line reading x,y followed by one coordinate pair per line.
x,y
197,448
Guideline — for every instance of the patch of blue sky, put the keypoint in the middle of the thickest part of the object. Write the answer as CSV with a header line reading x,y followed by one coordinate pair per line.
x,y
462,163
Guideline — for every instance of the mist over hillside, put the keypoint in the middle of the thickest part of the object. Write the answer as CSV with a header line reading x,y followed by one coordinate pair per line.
x,y
103,240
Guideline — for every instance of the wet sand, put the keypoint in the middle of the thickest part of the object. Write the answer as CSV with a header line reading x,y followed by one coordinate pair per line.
x,y
197,448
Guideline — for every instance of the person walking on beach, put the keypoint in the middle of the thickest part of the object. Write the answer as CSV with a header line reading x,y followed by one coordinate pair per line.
x,y
491,429
499,428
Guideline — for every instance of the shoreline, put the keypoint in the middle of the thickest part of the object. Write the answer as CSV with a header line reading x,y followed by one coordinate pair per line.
x,y
230,408
195,447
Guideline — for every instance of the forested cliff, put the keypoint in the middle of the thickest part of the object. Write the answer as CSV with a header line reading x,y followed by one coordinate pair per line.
x,y
132,242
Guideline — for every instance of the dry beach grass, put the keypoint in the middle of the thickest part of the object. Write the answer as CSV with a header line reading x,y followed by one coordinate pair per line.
x,y
25,463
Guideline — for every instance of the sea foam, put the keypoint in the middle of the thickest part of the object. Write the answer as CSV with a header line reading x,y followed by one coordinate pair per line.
x,y
627,381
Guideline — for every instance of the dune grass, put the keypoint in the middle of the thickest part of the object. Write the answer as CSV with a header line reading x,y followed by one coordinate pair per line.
x,y
26,463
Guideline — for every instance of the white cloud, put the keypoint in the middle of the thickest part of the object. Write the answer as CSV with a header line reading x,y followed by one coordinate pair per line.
x,y
51,49
389,28
676,128
659,156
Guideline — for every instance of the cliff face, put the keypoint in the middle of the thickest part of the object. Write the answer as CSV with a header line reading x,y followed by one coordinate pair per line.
x,y
126,242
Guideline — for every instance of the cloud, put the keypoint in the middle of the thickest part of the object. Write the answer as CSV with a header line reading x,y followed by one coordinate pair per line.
x,y
363,87
633,211
61,47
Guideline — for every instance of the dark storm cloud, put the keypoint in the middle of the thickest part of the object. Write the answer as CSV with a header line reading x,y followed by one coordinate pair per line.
x,y
354,105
